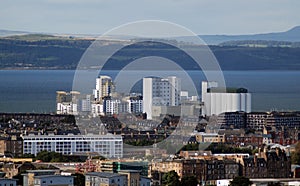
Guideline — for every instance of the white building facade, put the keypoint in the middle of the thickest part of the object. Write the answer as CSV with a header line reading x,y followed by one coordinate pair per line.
x,y
97,109
104,87
67,102
86,104
160,92
106,145
67,108
135,105
216,103
112,106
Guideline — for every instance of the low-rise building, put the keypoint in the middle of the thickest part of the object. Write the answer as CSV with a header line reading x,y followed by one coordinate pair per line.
x,y
215,169
12,145
105,178
235,120
133,177
14,168
53,180
210,137
182,167
243,140
67,102
8,182
116,166
266,164
145,181
259,120
254,167
209,168
30,175
232,169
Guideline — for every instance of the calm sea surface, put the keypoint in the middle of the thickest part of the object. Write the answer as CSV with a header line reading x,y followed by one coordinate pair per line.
x,y
35,90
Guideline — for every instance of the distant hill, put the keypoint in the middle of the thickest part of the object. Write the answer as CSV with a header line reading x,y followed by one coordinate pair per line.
x,y
4,33
261,43
51,52
292,35
37,51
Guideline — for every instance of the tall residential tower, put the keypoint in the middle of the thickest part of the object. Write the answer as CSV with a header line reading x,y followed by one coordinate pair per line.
x,y
104,87
160,92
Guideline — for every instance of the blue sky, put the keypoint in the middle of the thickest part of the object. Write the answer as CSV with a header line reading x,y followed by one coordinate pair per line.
x,y
200,16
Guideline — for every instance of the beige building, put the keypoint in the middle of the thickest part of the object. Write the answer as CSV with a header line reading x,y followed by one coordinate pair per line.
x,y
210,137
182,167
13,145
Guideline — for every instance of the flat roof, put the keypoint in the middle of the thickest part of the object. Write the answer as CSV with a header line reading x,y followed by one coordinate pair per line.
x,y
270,179
131,171
32,171
55,175
110,136
104,174
8,179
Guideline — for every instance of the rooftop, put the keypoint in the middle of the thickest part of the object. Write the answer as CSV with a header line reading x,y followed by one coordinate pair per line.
x,y
51,176
104,174
130,171
227,89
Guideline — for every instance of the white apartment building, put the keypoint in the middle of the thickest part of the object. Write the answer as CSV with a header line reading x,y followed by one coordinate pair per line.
x,y
135,105
126,105
217,102
110,146
67,108
104,87
112,106
160,92
97,109
86,104
67,102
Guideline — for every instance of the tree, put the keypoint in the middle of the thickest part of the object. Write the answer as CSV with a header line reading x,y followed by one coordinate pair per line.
x,y
193,146
189,181
46,156
79,179
295,156
240,181
171,179
27,156
19,178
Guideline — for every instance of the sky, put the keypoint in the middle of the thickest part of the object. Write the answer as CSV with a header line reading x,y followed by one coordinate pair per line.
x,y
201,16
